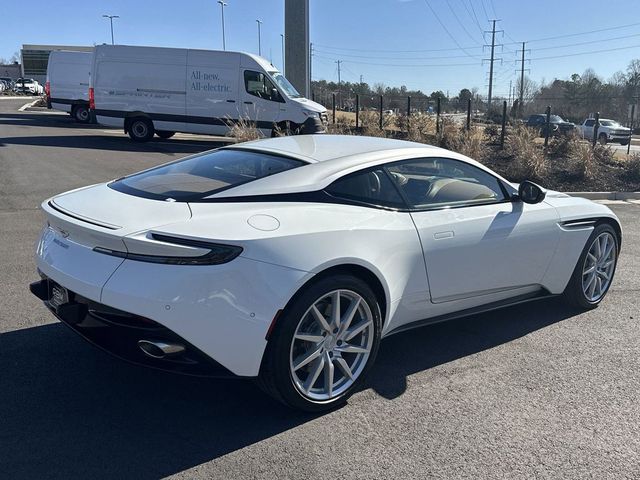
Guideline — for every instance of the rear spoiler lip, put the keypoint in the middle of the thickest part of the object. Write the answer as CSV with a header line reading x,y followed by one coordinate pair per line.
x,y
51,203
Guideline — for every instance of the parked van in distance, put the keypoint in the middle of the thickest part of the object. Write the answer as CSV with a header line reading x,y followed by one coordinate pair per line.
x,y
67,86
147,90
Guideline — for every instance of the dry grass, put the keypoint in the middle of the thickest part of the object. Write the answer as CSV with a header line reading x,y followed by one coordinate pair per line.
x,y
583,160
632,167
244,130
527,159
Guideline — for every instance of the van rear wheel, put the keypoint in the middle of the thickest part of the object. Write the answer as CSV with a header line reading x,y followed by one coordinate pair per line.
x,y
141,129
81,114
165,134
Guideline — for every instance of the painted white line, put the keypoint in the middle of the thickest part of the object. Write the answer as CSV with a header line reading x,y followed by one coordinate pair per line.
x,y
27,105
6,97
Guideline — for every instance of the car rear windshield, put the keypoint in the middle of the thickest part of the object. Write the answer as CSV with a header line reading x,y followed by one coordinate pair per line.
x,y
197,177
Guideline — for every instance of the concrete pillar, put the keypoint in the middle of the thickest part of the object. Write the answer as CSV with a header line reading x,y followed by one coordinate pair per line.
x,y
296,44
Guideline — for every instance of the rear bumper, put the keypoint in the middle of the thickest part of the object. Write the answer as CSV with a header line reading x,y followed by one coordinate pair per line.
x,y
118,333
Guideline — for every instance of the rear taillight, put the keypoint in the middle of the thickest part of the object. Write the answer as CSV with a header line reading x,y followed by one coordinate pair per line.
x,y
47,89
92,100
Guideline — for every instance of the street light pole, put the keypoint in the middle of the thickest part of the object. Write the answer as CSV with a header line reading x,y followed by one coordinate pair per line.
x,y
259,22
111,17
222,5
282,37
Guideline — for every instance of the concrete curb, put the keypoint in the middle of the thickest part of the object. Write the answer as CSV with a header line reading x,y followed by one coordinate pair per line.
x,y
28,105
606,195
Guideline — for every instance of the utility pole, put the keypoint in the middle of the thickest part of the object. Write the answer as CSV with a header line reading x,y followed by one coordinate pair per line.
x,y
338,62
259,22
361,79
222,5
509,92
111,17
491,60
522,70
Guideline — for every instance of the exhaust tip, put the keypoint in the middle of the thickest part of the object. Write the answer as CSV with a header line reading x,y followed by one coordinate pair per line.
x,y
159,349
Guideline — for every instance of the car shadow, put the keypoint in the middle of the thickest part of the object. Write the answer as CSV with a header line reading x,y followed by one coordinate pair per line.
x,y
115,143
69,410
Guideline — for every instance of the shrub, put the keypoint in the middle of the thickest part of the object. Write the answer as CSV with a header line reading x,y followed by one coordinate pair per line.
x,y
583,160
244,130
564,146
632,167
527,160
422,128
473,145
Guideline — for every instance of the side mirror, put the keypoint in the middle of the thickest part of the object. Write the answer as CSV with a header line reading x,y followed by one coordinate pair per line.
x,y
529,192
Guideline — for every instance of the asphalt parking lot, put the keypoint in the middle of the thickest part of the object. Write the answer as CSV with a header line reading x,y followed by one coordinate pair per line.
x,y
533,391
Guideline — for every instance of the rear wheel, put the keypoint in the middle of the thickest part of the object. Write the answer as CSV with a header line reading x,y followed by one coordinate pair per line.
x,y
596,267
323,345
81,114
602,139
141,129
164,134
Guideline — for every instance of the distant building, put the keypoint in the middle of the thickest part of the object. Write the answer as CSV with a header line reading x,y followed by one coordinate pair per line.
x,y
11,70
36,57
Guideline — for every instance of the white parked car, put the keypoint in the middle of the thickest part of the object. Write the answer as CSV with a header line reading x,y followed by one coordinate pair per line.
x,y
28,85
288,259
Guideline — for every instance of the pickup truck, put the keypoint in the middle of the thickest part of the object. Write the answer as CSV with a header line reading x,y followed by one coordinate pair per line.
x,y
608,131
557,126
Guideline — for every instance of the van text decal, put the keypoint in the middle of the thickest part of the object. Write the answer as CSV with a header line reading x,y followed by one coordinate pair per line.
x,y
208,82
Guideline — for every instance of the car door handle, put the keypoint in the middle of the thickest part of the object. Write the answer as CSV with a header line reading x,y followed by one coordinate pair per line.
x,y
231,101
248,103
441,235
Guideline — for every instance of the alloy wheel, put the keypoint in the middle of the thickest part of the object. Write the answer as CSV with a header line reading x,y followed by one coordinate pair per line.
x,y
331,345
598,267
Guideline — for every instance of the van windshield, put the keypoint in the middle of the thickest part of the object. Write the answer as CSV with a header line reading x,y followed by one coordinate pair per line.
x,y
197,177
284,85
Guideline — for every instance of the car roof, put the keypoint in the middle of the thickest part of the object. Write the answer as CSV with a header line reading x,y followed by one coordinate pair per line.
x,y
328,158
320,148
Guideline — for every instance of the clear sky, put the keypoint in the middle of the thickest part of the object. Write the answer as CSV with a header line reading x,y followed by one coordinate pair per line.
x,y
423,44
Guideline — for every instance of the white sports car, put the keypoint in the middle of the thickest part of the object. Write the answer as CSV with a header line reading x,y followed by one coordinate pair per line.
x,y
288,259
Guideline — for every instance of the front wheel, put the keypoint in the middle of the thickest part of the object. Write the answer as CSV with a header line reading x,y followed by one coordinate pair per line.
x,y
595,269
323,345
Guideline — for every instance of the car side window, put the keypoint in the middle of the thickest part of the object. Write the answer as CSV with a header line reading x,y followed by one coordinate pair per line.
x,y
589,123
372,187
443,182
259,85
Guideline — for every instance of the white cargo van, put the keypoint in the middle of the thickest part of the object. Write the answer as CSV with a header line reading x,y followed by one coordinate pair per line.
x,y
67,86
147,90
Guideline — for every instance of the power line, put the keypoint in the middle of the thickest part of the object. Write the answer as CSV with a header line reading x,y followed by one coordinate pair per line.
x,y
409,64
459,22
392,57
446,29
484,10
475,20
493,8
543,39
474,14
586,53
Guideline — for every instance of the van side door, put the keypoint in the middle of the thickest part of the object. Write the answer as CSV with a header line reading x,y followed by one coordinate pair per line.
x,y
261,100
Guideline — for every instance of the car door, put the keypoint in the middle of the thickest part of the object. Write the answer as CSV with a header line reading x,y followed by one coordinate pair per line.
x,y
261,101
587,128
476,241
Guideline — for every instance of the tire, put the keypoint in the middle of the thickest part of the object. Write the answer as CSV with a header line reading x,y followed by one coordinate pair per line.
x,y
577,291
295,371
141,129
624,142
602,139
81,114
164,134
